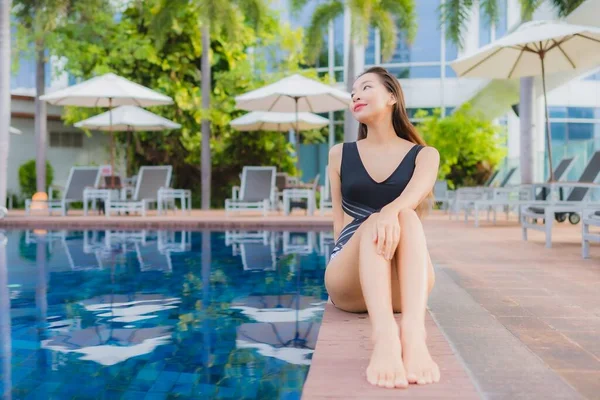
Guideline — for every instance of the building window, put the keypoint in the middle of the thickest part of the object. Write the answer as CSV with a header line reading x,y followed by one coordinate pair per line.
x,y
370,48
485,28
410,72
502,25
427,44
490,31
593,77
66,139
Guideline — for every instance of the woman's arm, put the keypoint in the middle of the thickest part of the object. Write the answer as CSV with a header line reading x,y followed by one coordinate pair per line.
x,y
333,171
421,183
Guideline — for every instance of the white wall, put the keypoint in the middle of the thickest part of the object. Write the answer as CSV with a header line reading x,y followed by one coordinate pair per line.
x,y
22,149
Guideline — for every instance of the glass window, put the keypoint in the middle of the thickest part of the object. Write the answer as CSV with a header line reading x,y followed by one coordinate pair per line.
x,y
412,111
593,77
485,31
427,43
558,131
451,51
370,48
338,41
580,112
339,76
557,112
579,131
450,72
502,23
416,72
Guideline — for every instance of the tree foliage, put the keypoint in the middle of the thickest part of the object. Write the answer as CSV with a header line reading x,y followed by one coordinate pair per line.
x,y
27,178
470,146
389,16
455,14
127,47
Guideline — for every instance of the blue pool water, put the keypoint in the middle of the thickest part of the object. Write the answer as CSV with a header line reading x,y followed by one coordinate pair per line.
x,y
159,314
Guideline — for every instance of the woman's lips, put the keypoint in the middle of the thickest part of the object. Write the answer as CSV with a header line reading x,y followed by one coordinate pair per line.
x,y
359,107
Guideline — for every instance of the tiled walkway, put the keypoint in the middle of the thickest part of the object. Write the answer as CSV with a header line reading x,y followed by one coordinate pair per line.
x,y
521,320
197,219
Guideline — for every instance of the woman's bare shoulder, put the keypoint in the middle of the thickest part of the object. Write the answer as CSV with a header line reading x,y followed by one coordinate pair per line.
x,y
336,151
429,155
335,156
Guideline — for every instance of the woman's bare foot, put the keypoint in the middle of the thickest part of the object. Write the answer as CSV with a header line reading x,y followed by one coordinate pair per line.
x,y
418,364
385,368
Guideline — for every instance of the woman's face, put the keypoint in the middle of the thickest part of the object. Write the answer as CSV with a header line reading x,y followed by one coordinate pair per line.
x,y
370,99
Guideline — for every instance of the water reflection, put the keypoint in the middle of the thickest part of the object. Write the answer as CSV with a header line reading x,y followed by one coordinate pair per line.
x,y
225,310
284,327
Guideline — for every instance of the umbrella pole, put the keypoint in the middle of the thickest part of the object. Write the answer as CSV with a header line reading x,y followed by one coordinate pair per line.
x,y
297,137
548,134
112,145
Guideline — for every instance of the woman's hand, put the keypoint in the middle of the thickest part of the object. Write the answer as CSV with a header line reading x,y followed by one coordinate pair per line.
x,y
386,232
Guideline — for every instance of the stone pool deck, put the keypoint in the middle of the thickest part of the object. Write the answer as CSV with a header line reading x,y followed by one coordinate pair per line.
x,y
507,319
196,220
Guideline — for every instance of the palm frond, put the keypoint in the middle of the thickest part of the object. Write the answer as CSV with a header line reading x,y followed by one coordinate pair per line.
x,y
454,15
298,5
490,9
318,27
404,12
528,7
254,11
161,23
388,32
360,15
566,7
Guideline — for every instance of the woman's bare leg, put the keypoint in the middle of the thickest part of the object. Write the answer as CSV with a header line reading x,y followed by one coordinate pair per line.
x,y
415,273
367,284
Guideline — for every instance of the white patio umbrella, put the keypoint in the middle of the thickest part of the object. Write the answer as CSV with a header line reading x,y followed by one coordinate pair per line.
x,y
278,121
128,119
108,90
295,94
535,48
14,131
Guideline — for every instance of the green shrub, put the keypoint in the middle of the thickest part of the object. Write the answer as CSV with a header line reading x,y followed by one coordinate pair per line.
x,y
27,177
470,146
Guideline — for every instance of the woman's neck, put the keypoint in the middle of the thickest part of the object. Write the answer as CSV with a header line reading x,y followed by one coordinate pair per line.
x,y
381,132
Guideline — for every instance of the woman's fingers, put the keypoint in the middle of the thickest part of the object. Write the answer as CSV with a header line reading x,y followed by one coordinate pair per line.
x,y
380,238
389,242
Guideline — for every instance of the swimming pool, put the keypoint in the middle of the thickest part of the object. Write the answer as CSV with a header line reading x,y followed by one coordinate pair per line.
x,y
159,314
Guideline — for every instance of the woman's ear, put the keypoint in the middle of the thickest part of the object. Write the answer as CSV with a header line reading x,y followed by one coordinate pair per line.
x,y
392,100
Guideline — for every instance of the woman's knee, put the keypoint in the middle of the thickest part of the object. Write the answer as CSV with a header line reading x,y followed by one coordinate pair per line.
x,y
408,215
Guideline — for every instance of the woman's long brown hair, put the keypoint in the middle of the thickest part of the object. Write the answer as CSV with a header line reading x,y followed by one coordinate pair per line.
x,y
402,126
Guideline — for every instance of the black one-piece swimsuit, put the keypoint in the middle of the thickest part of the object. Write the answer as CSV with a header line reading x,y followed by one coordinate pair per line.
x,y
363,196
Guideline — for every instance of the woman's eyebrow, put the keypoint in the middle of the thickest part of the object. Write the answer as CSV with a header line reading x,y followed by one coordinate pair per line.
x,y
362,83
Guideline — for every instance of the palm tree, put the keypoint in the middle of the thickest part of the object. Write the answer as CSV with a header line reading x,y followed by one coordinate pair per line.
x,y
40,18
218,18
455,14
5,46
388,16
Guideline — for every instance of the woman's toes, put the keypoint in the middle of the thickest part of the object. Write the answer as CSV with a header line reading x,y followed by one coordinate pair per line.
x,y
381,380
400,381
389,381
372,377
436,374
411,377
428,377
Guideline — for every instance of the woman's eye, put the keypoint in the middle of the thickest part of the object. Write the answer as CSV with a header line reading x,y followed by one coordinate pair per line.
x,y
366,86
